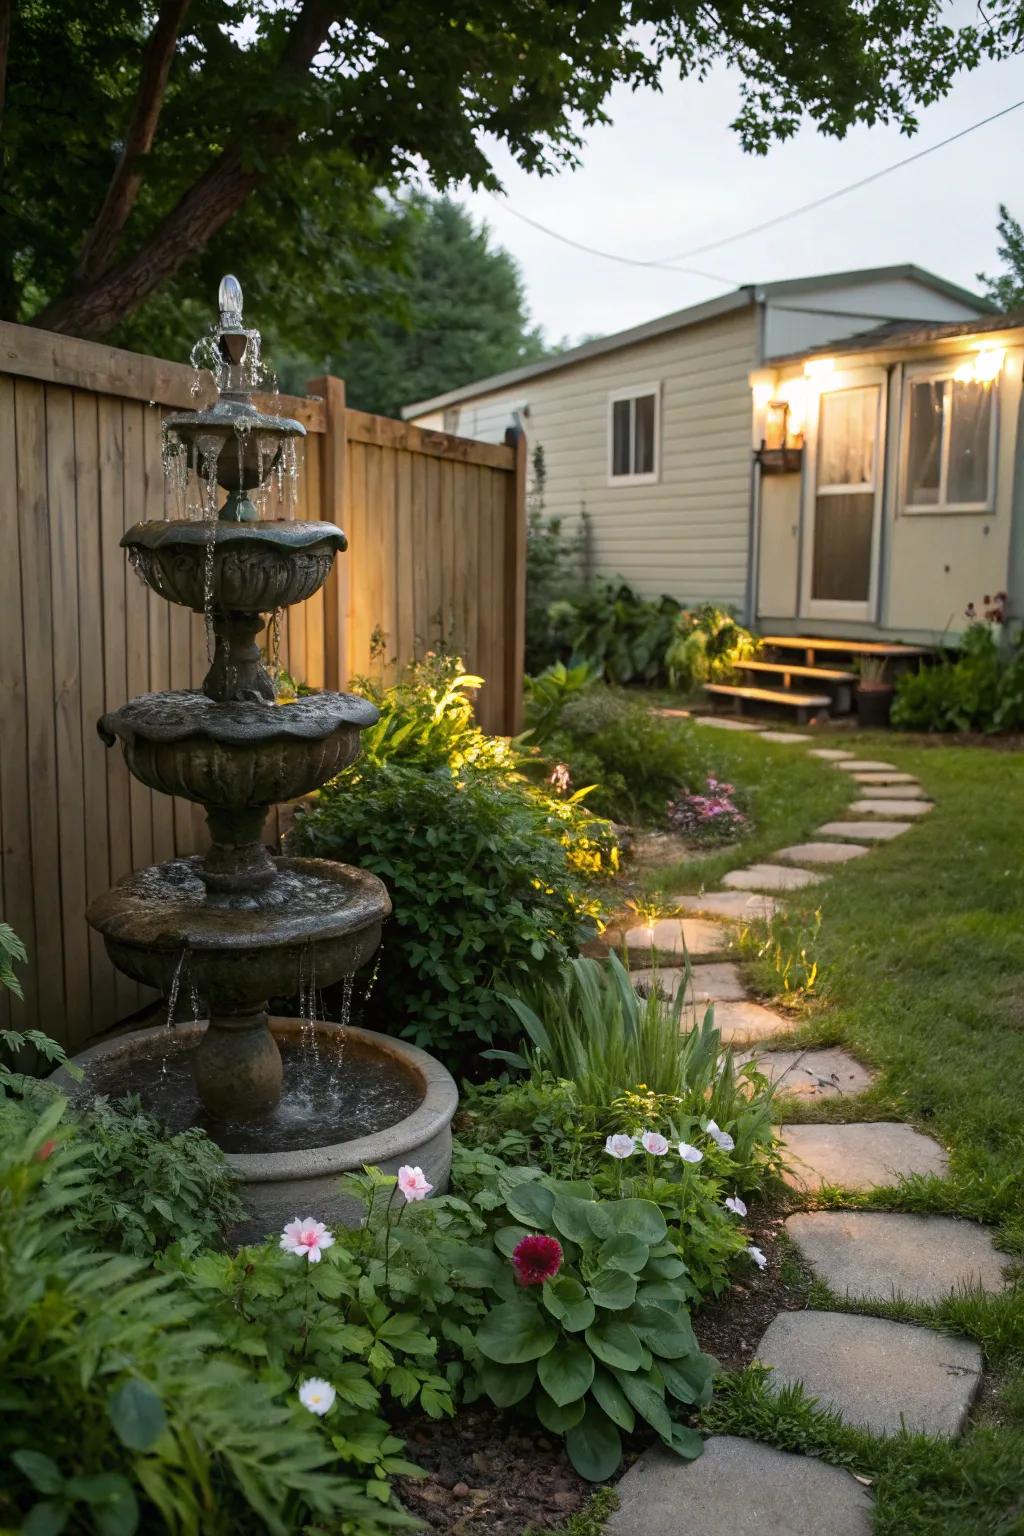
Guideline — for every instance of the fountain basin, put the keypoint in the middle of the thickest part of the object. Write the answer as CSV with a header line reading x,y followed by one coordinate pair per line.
x,y
282,1183
255,438
256,567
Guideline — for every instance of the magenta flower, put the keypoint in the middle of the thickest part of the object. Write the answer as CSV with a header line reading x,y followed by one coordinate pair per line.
x,y
536,1258
307,1238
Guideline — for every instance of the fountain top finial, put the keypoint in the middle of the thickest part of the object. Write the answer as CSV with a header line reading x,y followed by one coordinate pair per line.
x,y
229,301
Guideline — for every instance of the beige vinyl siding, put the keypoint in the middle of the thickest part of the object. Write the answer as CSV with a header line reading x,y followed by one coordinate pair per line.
x,y
687,534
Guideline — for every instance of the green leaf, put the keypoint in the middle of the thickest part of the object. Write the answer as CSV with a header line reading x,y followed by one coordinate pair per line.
x,y
46,1519
668,1267
612,1399
625,1252
558,1417
507,1384
515,1332
44,1474
594,1446
649,1403
685,1442
566,1299
137,1414
531,1203
112,1501
616,1344
479,1267
613,1289
506,1239
690,1380
668,1333
639,1218
571,1217
566,1372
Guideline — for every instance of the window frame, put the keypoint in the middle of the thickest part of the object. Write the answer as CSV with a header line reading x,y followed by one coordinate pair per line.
x,y
934,371
634,392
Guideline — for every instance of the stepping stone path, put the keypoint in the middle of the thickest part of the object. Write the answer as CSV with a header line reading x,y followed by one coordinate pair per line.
x,y
806,1075
870,831
879,1255
859,1156
821,853
691,936
785,736
708,983
770,877
724,725
891,807
738,1488
879,1375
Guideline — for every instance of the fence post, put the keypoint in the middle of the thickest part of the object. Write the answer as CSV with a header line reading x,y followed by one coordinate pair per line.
x,y
333,499
515,583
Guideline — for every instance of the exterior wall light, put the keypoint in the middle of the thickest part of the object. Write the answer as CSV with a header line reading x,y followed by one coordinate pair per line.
x,y
983,368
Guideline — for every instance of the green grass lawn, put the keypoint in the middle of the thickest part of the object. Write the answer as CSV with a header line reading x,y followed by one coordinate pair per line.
x,y
921,975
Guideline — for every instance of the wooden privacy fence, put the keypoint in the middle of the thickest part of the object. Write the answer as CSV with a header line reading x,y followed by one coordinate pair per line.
x,y
436,529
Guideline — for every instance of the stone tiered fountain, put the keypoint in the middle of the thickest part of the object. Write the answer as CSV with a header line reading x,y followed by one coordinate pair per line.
x,y
293,1101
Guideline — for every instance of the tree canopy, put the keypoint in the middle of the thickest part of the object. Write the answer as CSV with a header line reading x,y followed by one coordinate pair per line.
x,y
460,314
149,144
1007,288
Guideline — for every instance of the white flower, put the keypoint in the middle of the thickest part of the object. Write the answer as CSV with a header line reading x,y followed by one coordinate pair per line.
x,y
719,1137
413,1183
654,1143
307,1238
620,1146
735,1204
758,1257
316,1395
690,1154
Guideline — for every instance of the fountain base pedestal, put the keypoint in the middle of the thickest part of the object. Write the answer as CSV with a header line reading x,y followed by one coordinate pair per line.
x,y
237,1066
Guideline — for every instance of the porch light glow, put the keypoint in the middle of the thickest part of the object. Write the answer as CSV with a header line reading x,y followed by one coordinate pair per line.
x,y
819,367
984,368
793,394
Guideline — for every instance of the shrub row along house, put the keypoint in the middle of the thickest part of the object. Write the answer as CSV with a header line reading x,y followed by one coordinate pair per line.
x,y
833,456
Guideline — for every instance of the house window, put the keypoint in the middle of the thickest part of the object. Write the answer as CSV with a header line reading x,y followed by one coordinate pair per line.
x,y
633,427
949,439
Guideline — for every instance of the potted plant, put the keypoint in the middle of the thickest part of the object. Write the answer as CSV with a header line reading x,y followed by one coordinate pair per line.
x,y
874,692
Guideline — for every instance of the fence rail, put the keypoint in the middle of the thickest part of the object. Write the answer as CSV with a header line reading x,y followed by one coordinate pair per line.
x,y
436,529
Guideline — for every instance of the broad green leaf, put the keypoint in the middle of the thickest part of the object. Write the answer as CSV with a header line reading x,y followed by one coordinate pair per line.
x,y
566,1299
479,1267
531,1203
690,1380
507,1384
566,1372
558,1417
515,1332
112,1502
137,1414
667,1268
668,1334
594,1446
684,1441
623,1252
44,1474
649,1404
606,1391
46,1519
506,1238
571,1217
578,1187
616,1344
640,1218
613,1289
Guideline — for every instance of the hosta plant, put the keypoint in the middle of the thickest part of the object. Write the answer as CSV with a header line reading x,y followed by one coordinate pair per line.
x,y
587,1324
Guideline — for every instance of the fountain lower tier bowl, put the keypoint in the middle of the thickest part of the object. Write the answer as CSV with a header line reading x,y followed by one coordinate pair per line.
x,y
229,756
351,1097
317,922
234,567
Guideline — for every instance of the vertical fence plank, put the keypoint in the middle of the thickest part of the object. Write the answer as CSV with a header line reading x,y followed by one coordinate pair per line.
x,y
333,449
159,610
136,622
404,556
314,610
419,555
514,657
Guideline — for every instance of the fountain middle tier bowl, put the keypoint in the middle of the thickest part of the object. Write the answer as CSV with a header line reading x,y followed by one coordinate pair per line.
x,y
243,753
319,922
236,567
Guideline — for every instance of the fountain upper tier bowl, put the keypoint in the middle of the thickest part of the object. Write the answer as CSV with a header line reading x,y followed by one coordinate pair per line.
x,y
316,914
241,464
229,756
256,566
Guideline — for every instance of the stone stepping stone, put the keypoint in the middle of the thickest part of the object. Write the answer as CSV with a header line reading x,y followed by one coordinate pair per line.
x,y
884,778
692,936
892,791
870,831
812,1075
865,765
770,877
738,1488
833,754
722,724
708,983
862,1156
821,853
747,1022
785,736
877,1374
879,1255
890,807
737,906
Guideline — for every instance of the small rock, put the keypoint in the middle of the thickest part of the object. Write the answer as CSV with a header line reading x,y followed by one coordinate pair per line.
x,y
460,1491
564,1499
481,1463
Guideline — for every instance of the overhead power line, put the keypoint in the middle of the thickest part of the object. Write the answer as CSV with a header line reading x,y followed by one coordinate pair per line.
x,y
666,263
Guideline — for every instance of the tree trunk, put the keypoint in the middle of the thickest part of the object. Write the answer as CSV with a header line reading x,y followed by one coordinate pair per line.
x,y
204,209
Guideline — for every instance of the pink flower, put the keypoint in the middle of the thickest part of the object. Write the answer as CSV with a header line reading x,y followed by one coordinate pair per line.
x,y
413,1183
620,1146
307,1238
690,1154
537,1258
654,1143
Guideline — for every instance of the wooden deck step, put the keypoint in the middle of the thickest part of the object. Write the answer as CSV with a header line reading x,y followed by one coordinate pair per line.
x,y
804,704
792,669
812,643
